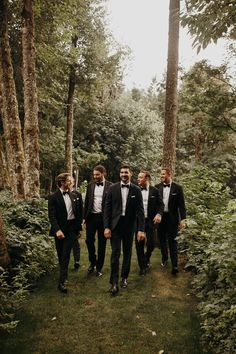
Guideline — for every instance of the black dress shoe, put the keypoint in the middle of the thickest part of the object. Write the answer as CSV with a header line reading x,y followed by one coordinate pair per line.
x,y
175,270
164,264
98,273
76,266
124,283
61,287
114,290
142,272
91,268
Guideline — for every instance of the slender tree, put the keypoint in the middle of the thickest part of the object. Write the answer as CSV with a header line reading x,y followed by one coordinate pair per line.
x,y
70,113
31,129
169,147
10,115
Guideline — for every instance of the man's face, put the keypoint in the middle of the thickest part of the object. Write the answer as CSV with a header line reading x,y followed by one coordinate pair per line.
x,y
165,177
98,176
142,179
71,181
125,175
67,184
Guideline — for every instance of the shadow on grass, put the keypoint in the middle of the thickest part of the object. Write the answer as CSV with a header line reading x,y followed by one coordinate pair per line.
x,y
155,312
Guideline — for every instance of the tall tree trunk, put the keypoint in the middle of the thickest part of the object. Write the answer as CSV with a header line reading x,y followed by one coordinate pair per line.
x,y
11,121
171,104
4,175
4,256
70,114
31,129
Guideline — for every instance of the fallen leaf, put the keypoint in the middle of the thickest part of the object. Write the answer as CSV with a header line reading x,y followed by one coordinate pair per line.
x,y
154,333
161,351
53,319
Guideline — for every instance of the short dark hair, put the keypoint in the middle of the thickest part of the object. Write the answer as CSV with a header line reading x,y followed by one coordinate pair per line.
x,y
147,174
62,177
127,167
100,168
167,169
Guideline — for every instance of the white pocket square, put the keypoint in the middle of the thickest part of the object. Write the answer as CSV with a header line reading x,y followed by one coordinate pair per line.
x,y
132,196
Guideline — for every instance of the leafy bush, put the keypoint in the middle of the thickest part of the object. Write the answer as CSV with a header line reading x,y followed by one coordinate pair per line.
x,y
210,244
30,249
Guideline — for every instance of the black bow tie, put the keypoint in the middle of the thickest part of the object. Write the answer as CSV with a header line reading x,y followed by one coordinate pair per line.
x,y
99,184
166,185
125,185
65,192
143,188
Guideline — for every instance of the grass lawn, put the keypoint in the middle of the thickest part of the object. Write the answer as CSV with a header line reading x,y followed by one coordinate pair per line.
x,y
155,313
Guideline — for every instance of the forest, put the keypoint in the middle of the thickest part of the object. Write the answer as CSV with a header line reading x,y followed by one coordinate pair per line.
x,y
64,108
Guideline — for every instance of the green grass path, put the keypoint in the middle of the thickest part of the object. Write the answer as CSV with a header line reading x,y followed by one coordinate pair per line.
x,y
155,313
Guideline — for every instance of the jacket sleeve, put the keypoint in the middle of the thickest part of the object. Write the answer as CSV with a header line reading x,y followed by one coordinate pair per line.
x,y
140,212
52,214
160,204
86,201
81,213
107,215
182,208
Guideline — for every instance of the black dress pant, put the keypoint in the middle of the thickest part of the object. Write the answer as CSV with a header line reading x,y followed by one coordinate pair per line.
x,y
63,247
95,224
168,229
122,234
76,251
144,257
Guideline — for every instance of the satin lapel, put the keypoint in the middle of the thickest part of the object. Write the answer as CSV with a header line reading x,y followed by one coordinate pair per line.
x,y
73,201
61,200
172,188
129,194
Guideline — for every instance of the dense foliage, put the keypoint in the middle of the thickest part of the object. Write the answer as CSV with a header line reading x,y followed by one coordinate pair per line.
x,y
30,250
210,20
210,244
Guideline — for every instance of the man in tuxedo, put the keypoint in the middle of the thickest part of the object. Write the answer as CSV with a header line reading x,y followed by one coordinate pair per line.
x,y
153,210
93,218
173,218
123,208
65,211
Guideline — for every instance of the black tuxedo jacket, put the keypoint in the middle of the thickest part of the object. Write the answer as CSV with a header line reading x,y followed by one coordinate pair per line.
x,y
155,203
57,212
134,207
88,203
176,204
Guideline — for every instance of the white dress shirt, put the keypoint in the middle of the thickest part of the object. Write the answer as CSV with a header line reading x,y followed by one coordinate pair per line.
x,y
97,198
145,195
124,195
166,195
68,203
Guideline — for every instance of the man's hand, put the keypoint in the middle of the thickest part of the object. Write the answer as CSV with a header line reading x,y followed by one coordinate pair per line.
x,y
107,233
140,235
60,235
157,219
182,224
79,234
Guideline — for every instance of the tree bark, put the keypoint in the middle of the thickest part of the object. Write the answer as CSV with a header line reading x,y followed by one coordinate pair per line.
x,y
10,117
31,128
70,115
4,256
171,103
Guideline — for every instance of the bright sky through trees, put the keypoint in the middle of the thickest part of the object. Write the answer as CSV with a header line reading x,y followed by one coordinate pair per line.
x,y
143,26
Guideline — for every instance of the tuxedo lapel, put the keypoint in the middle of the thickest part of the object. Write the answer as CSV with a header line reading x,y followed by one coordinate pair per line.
x,y
61,201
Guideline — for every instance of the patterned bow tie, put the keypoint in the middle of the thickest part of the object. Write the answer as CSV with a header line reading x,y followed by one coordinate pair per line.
x,y
65,192
166,185
99,184
125,185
